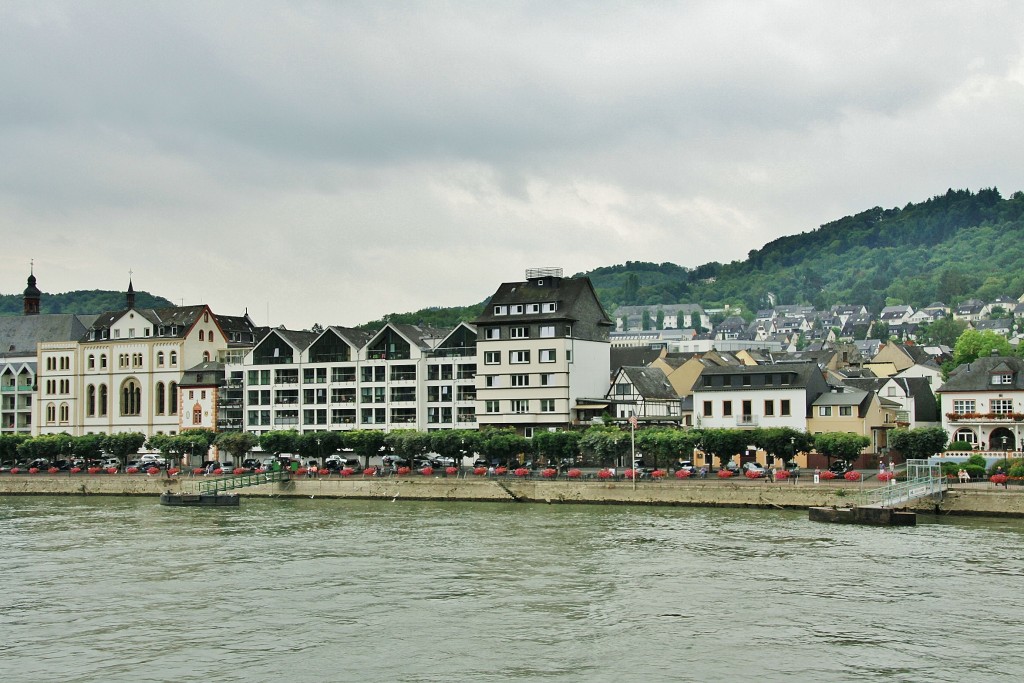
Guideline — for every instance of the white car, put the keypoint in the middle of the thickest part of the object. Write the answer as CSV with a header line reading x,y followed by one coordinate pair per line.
x,y
755,467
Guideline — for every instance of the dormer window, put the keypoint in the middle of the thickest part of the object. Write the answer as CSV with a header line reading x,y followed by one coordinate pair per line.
x,y
1002,378
160,331
518,309
549,307
501,310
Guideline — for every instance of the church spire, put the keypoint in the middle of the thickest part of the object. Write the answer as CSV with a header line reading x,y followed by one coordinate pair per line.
x,y
131,291
32,293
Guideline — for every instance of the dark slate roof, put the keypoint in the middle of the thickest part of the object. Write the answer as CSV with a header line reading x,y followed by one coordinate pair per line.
x,y
239,330
926,408
977,375
212,373
576,299
179,317
651,383
424,337
356,338
20,334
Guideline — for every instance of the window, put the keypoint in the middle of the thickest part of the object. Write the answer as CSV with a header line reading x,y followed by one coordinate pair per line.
x,y
160,359
64,412
825,411
491,406
1001,406
491,381
520,406
546,331
518,357
517,308
623,388
707,409
727,408
547,355
963,406
501,310
160,397
547,379
492,333
174,359
568,355
1002,378
547,405
845,411
131,398
518,332
90,401
784,407
550,307
746,380
769,408
492,357
92,361
103,400
103,360
520,380
202,335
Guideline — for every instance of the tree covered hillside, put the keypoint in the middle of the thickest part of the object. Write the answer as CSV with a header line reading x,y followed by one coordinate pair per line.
x,y
81,301
952,247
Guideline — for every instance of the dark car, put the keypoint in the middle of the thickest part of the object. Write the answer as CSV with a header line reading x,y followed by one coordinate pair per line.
x,y
839,468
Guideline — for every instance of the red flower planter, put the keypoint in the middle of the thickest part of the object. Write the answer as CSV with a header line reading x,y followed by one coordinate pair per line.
x,y
604,474
521,471
451,471
998,479
76,470
427,471
404,470
886,476
782,474
198,470
33,470
724,474
347,471
111,470
15,470
683,474
173,471
239,470
479,471
153,470
93,470
549,473
132,470
53,470
828,474
852,475
629,474
501,470
369,471
575,473
750,474
218,471
658,474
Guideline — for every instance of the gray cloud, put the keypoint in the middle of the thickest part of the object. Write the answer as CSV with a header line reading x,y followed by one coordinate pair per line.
x,y
332,162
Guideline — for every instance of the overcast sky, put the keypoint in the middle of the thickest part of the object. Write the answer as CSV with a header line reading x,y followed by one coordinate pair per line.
x,y
335,161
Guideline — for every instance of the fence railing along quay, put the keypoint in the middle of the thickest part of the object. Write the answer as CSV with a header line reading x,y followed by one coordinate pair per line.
x,y
922,480
241,481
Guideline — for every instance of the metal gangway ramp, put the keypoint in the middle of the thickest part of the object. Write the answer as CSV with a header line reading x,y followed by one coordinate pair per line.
x,y
241,481
923,479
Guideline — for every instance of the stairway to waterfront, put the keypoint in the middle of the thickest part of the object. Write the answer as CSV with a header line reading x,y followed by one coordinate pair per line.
x,y
923,480
241,481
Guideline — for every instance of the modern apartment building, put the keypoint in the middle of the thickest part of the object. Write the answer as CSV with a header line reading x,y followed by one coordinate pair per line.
x,y
542,345
401,377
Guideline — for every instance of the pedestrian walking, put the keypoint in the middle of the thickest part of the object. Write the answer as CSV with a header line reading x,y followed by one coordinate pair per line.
x,y
817,475
796,474
771,474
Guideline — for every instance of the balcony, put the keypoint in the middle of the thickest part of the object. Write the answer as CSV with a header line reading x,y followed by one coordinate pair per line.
x,y
746,420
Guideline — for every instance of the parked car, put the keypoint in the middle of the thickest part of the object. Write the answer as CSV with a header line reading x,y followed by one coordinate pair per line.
x,y
686,465
839,468
755,467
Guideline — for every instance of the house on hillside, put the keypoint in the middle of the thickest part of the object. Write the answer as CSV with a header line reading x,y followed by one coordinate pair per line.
x,y
970,310
644,393
917,406
854,411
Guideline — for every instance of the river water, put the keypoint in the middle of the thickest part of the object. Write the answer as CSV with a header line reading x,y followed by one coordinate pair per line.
x,y
122,589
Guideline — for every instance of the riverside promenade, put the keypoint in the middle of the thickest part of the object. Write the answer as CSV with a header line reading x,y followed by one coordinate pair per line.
x,y
980,498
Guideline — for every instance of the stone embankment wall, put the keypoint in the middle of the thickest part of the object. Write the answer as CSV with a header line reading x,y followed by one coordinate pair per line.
x,y
975,499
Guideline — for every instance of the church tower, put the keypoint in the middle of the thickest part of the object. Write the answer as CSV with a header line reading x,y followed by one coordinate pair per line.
x,y
32,295
131,294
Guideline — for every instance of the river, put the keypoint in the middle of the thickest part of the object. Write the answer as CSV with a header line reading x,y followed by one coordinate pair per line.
x,y
122,589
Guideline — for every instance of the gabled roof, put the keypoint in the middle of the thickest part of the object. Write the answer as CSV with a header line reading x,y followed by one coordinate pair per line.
x,y
20,334
353,337
640,356
651,383
576,299
977,375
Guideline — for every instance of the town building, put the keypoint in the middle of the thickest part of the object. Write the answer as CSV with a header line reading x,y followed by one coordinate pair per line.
x,y
543,345
984,403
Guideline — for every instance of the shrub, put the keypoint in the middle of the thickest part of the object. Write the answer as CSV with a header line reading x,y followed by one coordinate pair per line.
x,y
960,446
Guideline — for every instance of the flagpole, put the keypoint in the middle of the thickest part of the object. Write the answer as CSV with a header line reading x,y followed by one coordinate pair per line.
x,y
632,447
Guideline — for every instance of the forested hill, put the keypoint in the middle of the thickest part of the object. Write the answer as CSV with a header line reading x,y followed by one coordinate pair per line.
x,y
952,247
81,301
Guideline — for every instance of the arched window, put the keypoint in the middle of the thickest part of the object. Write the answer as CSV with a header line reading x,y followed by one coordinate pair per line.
x,y
160,359
967,435
131,398
103,360
92,362
206,356
197,414
103,400
51,412
202,335
174,359
161,398
90,401
172,395
65,412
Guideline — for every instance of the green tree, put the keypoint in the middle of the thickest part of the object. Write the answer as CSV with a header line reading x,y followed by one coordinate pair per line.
x,y
973,344
725,443
503,445
123,444
454,443
366,443
840,445
943,331
660,320
604,445
408,443
9,447
237,444
277,442
556,448
695,322
645,320
919,443
317,445
88,446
